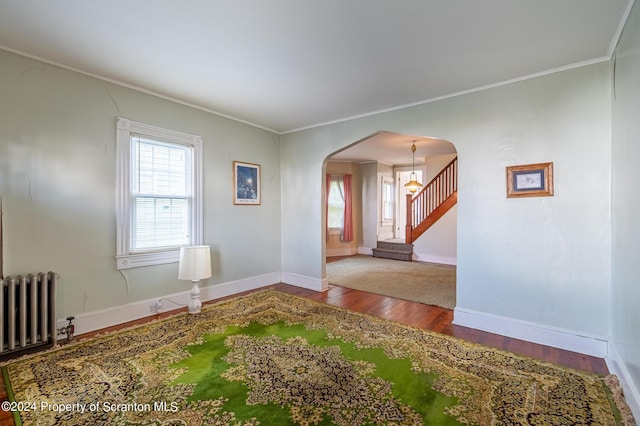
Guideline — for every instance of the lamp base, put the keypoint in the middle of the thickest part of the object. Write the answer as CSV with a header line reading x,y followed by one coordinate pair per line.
x,y
194,304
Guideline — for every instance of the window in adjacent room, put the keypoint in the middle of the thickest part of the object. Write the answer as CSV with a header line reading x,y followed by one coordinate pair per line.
x,y
335,216
159,204
340,206
388,202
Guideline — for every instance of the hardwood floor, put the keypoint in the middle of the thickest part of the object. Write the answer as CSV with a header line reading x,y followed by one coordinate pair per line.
x,y
439,320
411,313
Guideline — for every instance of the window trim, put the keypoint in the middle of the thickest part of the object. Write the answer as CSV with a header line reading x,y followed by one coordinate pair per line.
x,y
124,129
339,182
386,221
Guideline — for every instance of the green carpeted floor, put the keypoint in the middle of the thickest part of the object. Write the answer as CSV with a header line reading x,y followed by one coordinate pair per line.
x,y
290,375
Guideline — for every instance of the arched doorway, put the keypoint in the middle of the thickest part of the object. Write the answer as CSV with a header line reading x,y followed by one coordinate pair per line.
x,y
379,162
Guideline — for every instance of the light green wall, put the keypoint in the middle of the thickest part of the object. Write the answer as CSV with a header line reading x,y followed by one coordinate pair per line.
x,y
542,260
625,306
369,173
57,177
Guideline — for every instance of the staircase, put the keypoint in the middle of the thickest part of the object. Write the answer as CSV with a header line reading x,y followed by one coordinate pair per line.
x,y
423,210
391,250
432,202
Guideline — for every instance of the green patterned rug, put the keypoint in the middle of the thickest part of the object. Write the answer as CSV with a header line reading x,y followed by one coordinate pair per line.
x,y
271,358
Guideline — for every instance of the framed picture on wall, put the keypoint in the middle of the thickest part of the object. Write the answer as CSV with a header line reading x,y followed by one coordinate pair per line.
x,y
246,183
530,180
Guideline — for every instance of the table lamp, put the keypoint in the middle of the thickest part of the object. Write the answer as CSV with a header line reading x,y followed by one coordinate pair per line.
x,y
195,265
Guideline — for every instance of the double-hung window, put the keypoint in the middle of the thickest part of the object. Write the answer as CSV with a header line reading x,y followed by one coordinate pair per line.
x,y
335,217
388,203
159,204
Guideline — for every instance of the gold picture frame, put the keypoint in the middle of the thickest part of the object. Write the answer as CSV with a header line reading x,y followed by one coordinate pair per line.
x,y
530,180
246,184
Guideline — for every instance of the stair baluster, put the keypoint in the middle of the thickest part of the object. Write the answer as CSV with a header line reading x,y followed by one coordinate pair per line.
x,y
432,202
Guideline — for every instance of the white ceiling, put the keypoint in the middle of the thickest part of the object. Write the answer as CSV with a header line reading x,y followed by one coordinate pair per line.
x,y
394,149
284,65
290,64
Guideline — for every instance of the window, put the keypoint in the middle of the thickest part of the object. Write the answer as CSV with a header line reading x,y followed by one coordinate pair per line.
x,y
335,216
159,204
388,204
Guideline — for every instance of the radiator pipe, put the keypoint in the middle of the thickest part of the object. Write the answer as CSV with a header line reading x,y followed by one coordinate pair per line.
x,y
69,330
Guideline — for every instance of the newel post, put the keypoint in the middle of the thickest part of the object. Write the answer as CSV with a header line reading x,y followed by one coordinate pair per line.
x,y
408,239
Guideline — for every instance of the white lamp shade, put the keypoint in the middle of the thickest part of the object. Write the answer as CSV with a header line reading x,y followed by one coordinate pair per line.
x,y
195,263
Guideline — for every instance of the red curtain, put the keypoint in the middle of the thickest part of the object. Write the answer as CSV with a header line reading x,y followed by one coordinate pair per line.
x,y
347,230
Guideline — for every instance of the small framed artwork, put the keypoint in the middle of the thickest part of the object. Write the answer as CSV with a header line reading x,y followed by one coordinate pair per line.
x,y
530,180
246,183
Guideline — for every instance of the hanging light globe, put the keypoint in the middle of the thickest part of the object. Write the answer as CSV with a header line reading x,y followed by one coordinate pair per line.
x,y
413,185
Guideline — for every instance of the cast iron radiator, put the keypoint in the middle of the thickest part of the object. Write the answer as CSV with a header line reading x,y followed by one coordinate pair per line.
x,y
27,312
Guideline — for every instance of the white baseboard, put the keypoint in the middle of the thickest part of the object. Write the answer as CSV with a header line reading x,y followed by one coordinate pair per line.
x,y
347,251
304,281
619,368
97,320
365,250
532,332
443,260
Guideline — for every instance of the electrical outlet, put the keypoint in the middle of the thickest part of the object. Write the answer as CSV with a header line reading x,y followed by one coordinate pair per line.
x,y
156,307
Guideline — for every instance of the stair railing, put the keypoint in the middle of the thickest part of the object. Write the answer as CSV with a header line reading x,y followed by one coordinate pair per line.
x,y
432,202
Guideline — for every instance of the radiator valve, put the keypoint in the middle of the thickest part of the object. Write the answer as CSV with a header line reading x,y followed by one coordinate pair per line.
x,y
69,329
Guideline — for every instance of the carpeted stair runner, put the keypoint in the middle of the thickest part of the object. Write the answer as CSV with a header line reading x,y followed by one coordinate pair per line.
x,y
395,251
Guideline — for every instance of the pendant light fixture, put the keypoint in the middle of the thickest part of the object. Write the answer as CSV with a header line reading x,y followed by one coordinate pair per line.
x,y
413,185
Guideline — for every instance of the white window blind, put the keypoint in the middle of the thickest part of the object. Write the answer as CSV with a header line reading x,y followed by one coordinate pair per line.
x,y
161,194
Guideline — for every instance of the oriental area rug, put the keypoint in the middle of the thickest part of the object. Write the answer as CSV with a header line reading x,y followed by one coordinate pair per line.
x,y
271,358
